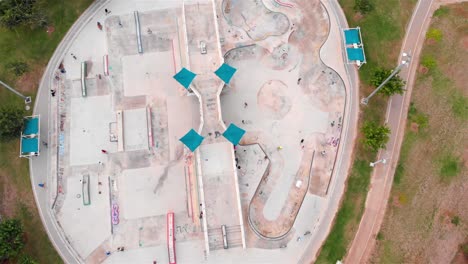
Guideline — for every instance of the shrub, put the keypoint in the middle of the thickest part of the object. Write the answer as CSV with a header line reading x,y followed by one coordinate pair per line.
x,y
363,6
25,259
11,121
435,34
460,106
455,220
11,238
449,167
18,68
429,62
442,11
415,116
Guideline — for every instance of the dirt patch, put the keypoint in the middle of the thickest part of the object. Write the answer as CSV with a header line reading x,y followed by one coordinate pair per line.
x,y
358,16
464,42
423,70
29,81
465,157
273,99
8,196
414,127
50,30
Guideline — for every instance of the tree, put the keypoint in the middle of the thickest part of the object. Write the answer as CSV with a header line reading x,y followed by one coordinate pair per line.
x,y
15,13
11,121
375,136
393,86
11,238
363,6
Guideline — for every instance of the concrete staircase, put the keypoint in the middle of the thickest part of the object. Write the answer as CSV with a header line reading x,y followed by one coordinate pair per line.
x,y
233,235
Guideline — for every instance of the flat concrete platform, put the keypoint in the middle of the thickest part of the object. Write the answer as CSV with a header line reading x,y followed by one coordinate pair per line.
x,y
219,185
89,133
135,126
153,191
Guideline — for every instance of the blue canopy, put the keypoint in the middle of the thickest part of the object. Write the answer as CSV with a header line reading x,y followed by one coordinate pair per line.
x,y
31,126
29,145
185,77
352,36
234,134
355,54
225,72
192,140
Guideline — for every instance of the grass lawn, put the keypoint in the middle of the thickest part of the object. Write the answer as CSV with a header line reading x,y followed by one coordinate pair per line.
x,y
383,30
427,216
34,47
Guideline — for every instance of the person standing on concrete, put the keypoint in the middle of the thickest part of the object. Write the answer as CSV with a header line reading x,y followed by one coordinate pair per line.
x,y
99,26
104,151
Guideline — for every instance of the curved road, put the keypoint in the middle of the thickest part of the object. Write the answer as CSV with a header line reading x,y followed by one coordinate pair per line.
x,y
38,166
397,110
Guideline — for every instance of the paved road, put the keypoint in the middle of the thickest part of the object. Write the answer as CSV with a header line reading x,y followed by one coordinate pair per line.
x,y
344,161
382,176
38,166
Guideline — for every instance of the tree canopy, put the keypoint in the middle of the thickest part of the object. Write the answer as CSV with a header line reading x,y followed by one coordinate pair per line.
x,y
393,86
15,13
375,136
11,238
11,121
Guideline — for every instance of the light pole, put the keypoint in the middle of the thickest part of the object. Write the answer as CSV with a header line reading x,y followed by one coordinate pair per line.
x,y
27,99
406,60
383,161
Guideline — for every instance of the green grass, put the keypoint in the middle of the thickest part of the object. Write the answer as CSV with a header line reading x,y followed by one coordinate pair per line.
x,y
450,167
455,220
434,34
408,142
382,31
429,62
389,255
417,117
353,205
37,243
35,47
445,87
459,105
442,11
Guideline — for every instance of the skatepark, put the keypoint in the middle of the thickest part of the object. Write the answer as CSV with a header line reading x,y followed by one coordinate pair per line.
x,y
121,166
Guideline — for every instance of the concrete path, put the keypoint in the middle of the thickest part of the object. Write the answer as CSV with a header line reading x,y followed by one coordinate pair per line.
x,y
38,166
344,160
382,176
